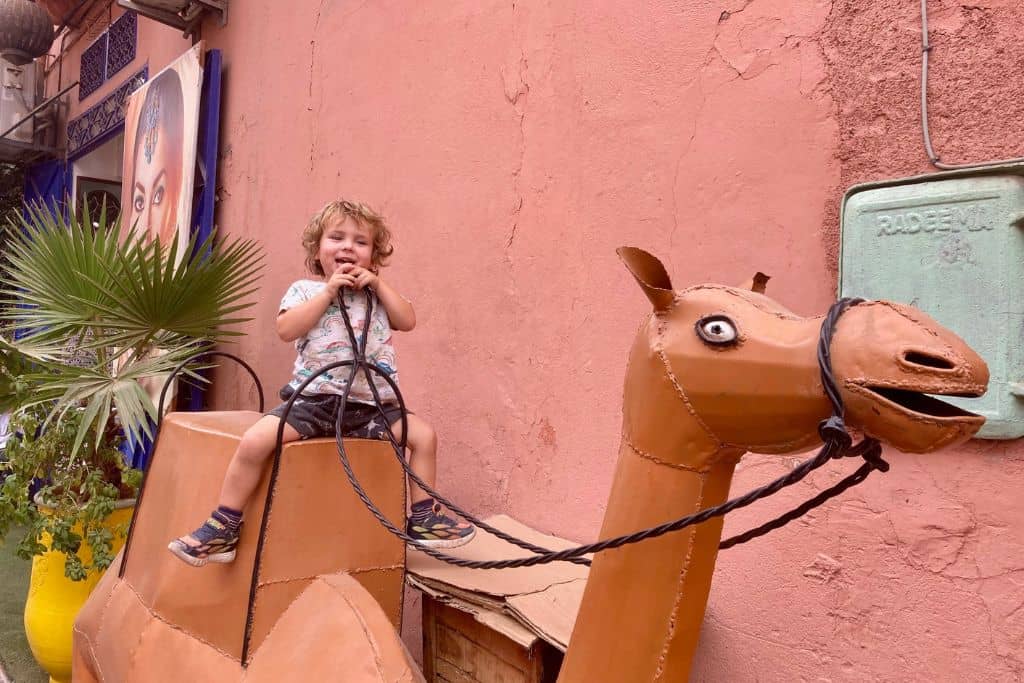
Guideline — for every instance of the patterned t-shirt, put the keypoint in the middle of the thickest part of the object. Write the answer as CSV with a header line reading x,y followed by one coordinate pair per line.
x,y
328,342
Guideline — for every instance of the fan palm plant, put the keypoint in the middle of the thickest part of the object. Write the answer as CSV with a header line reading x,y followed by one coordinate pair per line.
x,y
98,314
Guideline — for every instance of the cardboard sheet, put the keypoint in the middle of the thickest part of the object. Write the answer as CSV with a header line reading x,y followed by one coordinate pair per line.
x,y
523,603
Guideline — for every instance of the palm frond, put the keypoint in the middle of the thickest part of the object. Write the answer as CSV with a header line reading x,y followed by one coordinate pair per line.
x,y
100,311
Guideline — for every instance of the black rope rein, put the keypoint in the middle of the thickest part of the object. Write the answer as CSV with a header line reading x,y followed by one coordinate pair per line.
x,y
399,446
837,444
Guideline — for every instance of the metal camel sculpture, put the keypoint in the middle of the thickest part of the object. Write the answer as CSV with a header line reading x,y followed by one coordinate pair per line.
x,y
715,372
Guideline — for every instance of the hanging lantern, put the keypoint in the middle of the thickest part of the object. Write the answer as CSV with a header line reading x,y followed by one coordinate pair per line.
x,y
26,31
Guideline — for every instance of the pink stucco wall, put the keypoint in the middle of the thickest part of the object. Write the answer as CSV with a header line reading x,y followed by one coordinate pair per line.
x,y
514,145
916,575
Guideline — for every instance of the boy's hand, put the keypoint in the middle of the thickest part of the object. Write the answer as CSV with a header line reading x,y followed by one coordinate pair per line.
x,y
340,278
361,277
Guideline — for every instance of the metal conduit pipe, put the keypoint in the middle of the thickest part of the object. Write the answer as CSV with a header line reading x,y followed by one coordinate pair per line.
x,y
934,158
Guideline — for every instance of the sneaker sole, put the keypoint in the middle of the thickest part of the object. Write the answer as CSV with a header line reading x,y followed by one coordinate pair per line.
x,y
447,543
216,558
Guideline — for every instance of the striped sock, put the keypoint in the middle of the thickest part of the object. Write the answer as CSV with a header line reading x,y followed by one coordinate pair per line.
x,y
232,519
421,510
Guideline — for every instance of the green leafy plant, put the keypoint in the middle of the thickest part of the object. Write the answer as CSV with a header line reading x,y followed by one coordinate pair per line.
x,y
100,313
79,492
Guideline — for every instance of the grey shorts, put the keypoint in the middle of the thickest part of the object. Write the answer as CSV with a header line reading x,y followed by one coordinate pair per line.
x,y
314,416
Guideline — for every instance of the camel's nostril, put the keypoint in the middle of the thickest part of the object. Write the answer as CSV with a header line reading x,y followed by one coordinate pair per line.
x,y
927,360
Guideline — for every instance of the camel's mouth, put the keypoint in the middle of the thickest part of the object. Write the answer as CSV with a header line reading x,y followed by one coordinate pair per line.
x,y
918,403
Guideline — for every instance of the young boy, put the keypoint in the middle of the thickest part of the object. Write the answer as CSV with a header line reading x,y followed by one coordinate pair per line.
x,y
346,244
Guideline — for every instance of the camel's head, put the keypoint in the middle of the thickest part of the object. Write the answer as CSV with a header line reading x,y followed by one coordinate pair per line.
x,y
747,369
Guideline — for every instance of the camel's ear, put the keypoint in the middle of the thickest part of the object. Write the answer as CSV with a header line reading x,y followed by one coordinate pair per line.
x,y
756,283
650,274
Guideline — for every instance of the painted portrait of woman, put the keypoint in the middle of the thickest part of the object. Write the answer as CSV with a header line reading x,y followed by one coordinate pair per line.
x,y
155,187
161,120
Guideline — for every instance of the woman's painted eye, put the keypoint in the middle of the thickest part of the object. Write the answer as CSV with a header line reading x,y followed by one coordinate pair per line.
x,y
158,196
717,330
139,203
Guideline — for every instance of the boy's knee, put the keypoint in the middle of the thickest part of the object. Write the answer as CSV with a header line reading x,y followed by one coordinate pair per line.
x,y
253,435
256,445
425,433
420,431
252,454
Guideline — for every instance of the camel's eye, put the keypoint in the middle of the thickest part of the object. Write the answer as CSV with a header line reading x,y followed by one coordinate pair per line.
x,y
717,330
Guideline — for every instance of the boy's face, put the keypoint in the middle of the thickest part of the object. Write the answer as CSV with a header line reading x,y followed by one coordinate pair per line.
x,y
345,241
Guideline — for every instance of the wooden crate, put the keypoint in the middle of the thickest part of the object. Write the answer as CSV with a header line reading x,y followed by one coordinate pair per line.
x,y
459,649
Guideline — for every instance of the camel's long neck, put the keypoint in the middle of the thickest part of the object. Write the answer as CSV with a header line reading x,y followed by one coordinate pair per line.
x,y
643,605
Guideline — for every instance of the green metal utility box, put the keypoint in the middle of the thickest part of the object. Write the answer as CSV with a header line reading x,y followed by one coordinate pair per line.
x,y
951,244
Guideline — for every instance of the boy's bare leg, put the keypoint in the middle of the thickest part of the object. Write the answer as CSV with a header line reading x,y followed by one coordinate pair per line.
x,y
422,444
246,466
428,524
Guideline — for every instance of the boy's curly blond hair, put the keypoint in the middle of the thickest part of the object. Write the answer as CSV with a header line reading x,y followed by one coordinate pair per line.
x,y
338,211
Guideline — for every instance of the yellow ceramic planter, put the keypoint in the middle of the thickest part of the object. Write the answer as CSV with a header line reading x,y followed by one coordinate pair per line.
x,y
54,600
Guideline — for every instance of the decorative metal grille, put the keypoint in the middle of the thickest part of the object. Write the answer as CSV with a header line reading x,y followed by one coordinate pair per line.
x,y
94,67
100,119
121,42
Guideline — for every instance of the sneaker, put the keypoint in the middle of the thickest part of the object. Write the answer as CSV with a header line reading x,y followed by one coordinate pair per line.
x,y
440,531
217,543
